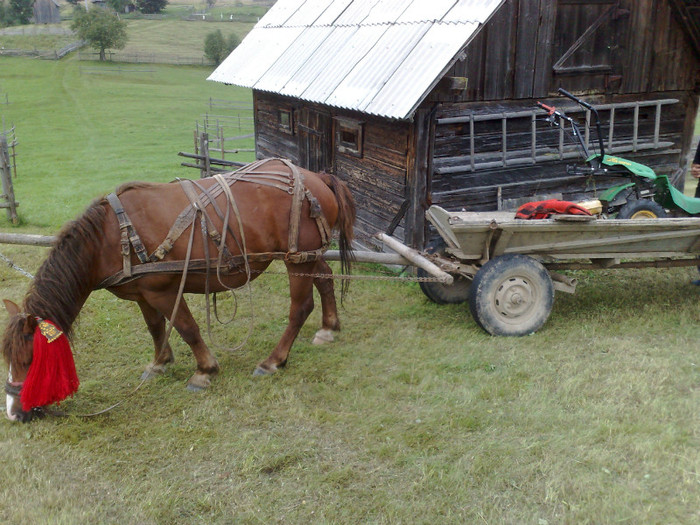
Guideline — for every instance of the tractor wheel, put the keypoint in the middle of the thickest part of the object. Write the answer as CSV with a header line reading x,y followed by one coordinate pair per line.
x,y
439,293
511,295
641,209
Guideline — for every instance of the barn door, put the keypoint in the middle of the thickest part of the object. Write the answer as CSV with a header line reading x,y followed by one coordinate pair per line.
x,y
587,35
315,140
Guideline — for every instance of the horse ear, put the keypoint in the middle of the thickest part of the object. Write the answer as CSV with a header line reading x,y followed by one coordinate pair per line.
x,y
11,307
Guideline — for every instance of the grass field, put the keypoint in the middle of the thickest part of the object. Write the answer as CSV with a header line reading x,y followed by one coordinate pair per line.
x,y
84,127
413,415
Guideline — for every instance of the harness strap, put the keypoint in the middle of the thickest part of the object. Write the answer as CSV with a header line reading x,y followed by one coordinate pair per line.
x,y
315,212
295,213
128,234
199,266
291,182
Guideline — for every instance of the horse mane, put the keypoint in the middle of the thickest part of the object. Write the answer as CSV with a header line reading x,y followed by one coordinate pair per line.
x,y
133,185
62,283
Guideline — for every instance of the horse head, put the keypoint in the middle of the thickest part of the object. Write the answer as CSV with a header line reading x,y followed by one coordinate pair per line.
x,y
18,350
40,362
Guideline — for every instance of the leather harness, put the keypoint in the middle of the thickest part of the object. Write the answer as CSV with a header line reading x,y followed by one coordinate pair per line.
x,y
291,182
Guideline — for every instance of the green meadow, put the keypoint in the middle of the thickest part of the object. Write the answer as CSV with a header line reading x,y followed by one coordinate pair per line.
x,y
84,127
413,415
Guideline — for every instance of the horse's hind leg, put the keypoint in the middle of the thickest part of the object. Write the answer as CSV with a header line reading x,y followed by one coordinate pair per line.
x,y
187,327
155,321
301,305
325,287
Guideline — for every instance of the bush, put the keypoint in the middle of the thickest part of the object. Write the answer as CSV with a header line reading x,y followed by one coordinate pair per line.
x,y
16,12
216,48
150,7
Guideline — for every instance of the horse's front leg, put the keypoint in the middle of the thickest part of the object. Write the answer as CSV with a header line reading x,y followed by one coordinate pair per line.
x,y
325,287
301,305
155,321
186,326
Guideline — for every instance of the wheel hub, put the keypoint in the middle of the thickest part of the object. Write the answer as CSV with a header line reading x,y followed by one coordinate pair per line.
x,y
514,297
644,214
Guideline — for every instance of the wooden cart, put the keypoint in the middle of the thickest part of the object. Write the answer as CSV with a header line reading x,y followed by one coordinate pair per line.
x,y
506,268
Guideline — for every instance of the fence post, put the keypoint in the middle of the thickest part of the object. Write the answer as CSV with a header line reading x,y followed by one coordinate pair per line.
x,y
221,144
6,176
204,151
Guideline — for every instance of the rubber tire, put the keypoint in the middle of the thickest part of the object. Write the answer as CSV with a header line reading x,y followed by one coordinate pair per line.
x,y
641,209
512,295
455,293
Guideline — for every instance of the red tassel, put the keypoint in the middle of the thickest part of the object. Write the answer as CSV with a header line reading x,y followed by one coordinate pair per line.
x,y
52,376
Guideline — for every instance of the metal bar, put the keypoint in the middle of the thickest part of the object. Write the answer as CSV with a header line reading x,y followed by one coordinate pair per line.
x,y
635,128
533,127
504,133
561,140
657,125
612,126
370,257
471,141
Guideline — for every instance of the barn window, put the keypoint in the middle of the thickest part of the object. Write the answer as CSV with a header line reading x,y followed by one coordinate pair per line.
x,y
348,136
284,120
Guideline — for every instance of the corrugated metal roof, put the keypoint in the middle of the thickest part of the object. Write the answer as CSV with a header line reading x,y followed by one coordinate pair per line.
x,y
380,57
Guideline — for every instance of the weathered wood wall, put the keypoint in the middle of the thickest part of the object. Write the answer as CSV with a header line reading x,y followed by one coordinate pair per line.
x,y
456,183
634,46
377,179
631,50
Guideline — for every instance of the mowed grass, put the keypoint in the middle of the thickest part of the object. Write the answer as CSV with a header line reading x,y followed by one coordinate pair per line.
x,y
413,415
157,36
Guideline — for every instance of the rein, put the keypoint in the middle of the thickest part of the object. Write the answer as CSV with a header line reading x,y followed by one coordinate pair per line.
x,y
14,389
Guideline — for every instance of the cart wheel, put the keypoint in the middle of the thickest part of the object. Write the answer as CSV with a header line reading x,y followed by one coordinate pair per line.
x,y
641,209
439,293
511,295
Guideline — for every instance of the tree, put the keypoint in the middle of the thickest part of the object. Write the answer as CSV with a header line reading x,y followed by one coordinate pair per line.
x,y
21,11
119,6
101,28
150,7
216,48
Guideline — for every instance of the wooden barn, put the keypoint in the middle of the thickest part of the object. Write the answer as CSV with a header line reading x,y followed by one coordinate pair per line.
x,y
46,12
415,102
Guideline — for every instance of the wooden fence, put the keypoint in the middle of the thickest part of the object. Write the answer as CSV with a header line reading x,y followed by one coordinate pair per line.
x,y
7,167
46,54
147,58
225,135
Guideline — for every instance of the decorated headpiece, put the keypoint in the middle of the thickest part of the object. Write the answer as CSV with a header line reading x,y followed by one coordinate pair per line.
x,y
52,376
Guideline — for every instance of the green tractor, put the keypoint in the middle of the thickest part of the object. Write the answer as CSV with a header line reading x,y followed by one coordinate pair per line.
x,y
644,194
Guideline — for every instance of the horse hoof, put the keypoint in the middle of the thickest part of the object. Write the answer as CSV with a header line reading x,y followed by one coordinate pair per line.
x,y
152,371
198,382
260,371
322,337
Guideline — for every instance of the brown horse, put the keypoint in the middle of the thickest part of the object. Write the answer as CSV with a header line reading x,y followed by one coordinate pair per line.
x,y
224,230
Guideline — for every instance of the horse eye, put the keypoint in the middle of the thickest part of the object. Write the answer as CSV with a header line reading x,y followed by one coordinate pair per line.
x,y
28,337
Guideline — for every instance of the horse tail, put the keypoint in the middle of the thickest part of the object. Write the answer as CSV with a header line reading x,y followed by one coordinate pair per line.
x,y
345,224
